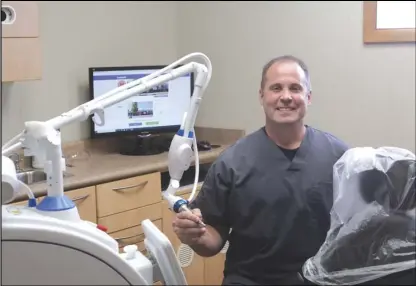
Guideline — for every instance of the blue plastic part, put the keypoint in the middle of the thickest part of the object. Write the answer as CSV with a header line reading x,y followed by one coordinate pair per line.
x,y
181,132
178,204
191,134
31,203
54,204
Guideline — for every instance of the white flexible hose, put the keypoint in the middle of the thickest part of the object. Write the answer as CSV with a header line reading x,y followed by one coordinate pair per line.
x,y
26,189
195,186
195,145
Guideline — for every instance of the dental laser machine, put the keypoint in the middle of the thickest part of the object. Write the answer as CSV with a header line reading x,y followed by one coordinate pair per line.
x,y
48,243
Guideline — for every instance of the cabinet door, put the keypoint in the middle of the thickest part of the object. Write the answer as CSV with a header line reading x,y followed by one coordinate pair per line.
x,y
127,194
21,59
26,19
131,218
194,271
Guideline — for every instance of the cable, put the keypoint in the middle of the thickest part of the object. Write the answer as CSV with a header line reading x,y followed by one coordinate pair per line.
x,y
29,193
195,186
195,142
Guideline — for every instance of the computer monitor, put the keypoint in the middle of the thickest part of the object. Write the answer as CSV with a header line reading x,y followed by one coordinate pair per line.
x,y
159,110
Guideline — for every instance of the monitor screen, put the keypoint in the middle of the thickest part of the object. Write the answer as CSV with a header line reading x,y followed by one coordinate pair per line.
x,y
160,109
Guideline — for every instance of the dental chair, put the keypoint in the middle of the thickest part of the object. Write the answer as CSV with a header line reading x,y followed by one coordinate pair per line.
x,y
372,235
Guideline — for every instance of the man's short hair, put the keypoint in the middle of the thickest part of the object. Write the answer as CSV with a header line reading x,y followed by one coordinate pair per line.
x,y
290,58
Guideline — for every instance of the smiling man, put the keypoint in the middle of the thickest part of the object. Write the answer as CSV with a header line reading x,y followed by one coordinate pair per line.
x,y
272,189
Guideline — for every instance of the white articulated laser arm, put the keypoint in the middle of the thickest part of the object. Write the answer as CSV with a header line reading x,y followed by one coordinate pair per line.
x,y
45,136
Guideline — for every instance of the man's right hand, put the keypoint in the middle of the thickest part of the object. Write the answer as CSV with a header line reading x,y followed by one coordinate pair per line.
x,y
186,227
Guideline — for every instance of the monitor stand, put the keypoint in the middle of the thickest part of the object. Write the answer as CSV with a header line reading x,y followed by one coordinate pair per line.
x,y
142,145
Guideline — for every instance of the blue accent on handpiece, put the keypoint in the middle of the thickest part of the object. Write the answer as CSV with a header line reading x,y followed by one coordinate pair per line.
x,y
178,204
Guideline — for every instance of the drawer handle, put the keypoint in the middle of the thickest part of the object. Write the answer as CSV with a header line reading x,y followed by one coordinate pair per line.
x,y
80,198
141,185
139,236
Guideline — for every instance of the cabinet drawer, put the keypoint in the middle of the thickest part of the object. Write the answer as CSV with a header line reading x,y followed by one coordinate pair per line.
x,y
128,194
131,218
26,23
21,59
85,199
133,235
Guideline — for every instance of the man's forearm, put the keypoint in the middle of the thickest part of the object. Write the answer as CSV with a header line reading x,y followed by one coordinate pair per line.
x,y
211,243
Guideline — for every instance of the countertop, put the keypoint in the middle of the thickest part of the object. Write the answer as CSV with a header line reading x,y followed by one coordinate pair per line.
x,y
100,168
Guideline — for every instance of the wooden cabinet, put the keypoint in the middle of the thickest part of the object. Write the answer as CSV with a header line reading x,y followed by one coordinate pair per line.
x,y
21,19
21,47
131,218
20,59
122,206
123,195
85,199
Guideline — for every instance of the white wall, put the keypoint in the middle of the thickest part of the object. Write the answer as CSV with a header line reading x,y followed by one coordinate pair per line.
x,y
364,94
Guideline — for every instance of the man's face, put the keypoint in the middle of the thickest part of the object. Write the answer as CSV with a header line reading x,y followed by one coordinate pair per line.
x,y
284,96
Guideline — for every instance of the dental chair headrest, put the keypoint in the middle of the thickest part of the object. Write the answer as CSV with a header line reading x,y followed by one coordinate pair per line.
x,y
391,189
372,230
383,177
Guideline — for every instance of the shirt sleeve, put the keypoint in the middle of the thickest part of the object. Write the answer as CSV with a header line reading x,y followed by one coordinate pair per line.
x,y
212,199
